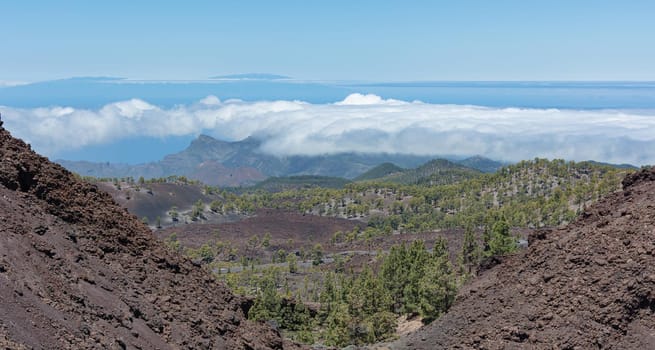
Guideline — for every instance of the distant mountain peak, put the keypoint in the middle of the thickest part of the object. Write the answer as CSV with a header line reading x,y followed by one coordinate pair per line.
x,y
481,163
91,79
477,157
203,137
251,76
435,171
380,171
204,140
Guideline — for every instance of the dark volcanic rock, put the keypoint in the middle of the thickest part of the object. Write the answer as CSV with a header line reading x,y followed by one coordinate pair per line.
x,y
77,271
589,285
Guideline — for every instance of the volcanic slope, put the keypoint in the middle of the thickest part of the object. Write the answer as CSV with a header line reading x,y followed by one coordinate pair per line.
x,y
78,272
588,285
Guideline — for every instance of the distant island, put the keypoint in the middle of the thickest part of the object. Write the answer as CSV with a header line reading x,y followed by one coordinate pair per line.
x,y
251,76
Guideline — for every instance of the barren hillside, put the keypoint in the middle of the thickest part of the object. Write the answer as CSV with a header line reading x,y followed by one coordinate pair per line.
x,y
77,271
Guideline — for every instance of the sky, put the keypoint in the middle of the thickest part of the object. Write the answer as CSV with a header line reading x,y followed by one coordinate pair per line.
x,y
329,40
342,55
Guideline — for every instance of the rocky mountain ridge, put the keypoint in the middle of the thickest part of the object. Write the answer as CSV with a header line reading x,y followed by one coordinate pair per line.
x,y
222,163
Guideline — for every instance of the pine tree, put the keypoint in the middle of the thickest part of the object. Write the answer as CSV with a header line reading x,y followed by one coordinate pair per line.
x,y
501,241
317,254
337,325
292,261
469,256
416,259
437,287
267,305
393,275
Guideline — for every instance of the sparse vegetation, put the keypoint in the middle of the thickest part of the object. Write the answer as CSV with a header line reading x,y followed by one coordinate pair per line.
x,y
360,307
531,194
315,295
174,214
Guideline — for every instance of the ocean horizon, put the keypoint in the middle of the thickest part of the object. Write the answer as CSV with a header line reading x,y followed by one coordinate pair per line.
x,y
98,91
78,103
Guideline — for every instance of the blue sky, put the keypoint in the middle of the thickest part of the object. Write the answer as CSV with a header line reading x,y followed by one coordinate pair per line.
x,y
330,40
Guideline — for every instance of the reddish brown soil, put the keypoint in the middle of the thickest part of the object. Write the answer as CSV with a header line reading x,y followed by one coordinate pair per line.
x,y
295,232
590,285
288,230
78,272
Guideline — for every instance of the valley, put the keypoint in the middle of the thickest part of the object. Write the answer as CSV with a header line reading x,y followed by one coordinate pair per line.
x,y
292,240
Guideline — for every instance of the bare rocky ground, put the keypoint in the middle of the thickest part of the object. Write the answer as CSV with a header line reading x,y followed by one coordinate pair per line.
x,y
590,285
288,230
294,232
78,272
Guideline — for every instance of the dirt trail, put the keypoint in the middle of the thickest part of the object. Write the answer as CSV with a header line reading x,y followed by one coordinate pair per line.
x,y
78,272
590,285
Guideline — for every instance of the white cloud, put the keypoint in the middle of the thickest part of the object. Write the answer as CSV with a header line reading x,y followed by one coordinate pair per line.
x,y
362,123
368,99
211,100
133,108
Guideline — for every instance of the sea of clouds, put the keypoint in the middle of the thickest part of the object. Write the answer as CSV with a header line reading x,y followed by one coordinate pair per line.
x,y
359,123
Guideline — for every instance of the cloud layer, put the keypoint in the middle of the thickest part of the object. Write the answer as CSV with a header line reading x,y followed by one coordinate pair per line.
x,y
361,123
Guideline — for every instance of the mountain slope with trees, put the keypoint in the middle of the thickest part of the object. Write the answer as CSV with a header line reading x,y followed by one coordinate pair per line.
x,y
379,172
586,285
532,194
434,172
278,184
483,164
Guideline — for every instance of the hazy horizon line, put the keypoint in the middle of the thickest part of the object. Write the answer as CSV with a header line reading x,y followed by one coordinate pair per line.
x,y
227,78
